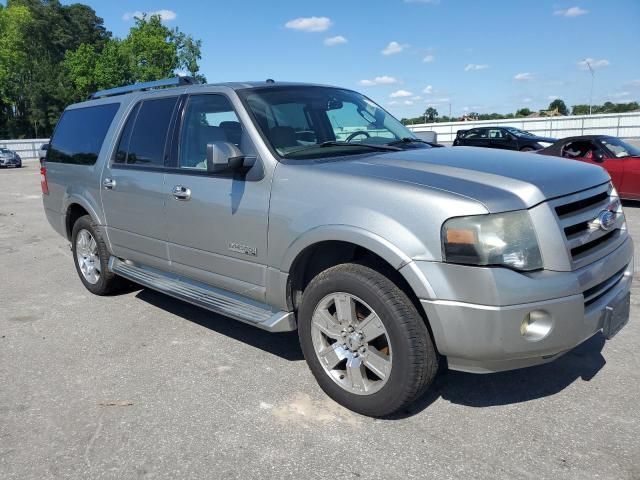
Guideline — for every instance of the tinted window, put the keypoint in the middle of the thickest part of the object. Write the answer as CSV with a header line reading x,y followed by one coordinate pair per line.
x,y
145,134
123,145
80,133
208,119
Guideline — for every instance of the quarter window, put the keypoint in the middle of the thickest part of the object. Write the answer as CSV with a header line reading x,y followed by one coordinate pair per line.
x,y
144,137
80,133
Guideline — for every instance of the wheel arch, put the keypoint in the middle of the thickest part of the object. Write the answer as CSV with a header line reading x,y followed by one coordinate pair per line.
x,y
324,248
76,207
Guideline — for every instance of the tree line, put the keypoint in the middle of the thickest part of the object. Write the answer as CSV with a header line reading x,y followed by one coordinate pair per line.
x,y
431,114
52,55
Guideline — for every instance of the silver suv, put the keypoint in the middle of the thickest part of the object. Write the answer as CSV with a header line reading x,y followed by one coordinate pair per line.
x,y
292,206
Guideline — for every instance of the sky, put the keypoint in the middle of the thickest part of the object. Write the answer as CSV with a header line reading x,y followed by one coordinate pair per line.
x,y
463,55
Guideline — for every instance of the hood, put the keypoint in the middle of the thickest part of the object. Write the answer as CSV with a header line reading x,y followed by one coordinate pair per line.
x,y
500,180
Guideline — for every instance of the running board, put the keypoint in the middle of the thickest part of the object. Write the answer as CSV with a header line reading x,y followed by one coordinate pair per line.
x,y
213,299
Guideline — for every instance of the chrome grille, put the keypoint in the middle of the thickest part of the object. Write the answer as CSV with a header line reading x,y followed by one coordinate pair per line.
x,y
586,240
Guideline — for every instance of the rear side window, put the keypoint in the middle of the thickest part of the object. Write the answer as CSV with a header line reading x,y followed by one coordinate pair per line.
x,y
79,135
144,136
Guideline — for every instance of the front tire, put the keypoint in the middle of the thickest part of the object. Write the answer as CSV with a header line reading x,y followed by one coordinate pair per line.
x,y
91,258
364,340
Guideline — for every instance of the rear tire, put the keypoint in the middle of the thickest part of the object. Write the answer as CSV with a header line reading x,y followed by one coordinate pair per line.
x,y
527,149
356,318
91,258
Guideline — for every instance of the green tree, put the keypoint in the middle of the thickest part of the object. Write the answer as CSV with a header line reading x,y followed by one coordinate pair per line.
x,y
560,105
431,114
523,112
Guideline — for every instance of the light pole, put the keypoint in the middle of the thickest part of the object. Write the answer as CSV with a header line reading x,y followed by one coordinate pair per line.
x,y
592,78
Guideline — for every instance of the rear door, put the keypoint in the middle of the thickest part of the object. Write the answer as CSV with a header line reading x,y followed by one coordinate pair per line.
x,y
133,184
216,222
476,137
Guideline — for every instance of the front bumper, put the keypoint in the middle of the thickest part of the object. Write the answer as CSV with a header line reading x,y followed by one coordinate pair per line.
x,y
487,337
7,162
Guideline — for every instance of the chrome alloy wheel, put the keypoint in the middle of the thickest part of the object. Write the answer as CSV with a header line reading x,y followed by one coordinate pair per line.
x,y
351,343
87,256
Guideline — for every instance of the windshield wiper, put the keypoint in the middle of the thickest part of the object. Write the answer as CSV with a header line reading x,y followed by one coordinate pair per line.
x,y
413,140
335,143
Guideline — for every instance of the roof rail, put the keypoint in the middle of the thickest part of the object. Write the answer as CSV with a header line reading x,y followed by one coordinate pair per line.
x,y
137,87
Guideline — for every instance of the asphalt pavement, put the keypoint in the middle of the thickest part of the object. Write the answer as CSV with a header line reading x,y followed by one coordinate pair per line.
x,y
139,385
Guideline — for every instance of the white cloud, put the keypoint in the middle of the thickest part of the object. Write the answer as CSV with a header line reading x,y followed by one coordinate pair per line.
x,y
393,48
408,102
392,102
333,41
428,89
382,80
417,97
400,93
309,24
634,83
428,58
439,101
527,100
619,95
571,12
475,66
165,15
595,64
553,97
523,77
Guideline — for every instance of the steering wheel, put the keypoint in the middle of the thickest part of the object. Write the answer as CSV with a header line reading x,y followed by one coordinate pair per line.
x,y
355,134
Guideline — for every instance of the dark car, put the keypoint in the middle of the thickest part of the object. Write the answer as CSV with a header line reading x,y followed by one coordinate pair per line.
x,y
616,156
9,158
506,138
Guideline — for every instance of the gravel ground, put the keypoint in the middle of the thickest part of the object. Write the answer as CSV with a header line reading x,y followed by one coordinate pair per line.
x,y
143,386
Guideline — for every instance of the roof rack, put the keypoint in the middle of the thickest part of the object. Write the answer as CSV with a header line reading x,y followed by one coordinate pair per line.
x,y
137,87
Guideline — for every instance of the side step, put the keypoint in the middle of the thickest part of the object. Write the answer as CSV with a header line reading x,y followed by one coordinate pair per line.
x,y
213,299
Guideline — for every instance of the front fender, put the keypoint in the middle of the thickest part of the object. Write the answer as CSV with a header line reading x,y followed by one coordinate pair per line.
x,y
386,250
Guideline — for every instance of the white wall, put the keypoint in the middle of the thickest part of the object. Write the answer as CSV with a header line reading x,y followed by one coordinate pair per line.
x,y
623,125
26,148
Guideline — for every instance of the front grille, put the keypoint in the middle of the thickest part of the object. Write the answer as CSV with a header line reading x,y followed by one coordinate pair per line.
x,y
577,214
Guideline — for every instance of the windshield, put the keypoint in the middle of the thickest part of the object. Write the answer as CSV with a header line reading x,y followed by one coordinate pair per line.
x,y
521,133
4,150
303,122
619,148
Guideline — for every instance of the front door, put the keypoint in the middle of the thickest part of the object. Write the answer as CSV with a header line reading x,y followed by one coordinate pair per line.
x,y
216,222
133,185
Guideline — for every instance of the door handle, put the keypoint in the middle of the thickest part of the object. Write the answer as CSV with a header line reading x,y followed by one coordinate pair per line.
x,y
181,193
109,183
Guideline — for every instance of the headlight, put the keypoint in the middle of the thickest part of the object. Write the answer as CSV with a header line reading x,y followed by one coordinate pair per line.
x,y
504,239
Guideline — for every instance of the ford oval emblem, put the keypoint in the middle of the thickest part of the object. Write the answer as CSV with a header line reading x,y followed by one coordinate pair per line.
x,y
607,219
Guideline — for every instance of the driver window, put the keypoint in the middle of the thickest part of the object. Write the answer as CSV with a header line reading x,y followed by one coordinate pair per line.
x,y
207,119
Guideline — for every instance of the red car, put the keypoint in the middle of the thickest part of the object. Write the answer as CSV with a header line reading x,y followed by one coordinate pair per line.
x,y
617,157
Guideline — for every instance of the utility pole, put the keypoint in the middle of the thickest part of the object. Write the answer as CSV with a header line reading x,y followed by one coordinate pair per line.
x,y
592,78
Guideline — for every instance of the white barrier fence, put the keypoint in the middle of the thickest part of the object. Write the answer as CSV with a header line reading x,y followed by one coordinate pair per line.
x,y
623,125
28,149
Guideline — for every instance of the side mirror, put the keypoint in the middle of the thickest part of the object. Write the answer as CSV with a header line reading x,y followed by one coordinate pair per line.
x,y
598,156
223,156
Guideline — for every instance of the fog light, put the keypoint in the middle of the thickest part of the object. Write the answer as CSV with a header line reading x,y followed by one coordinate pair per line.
x,y
536,325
